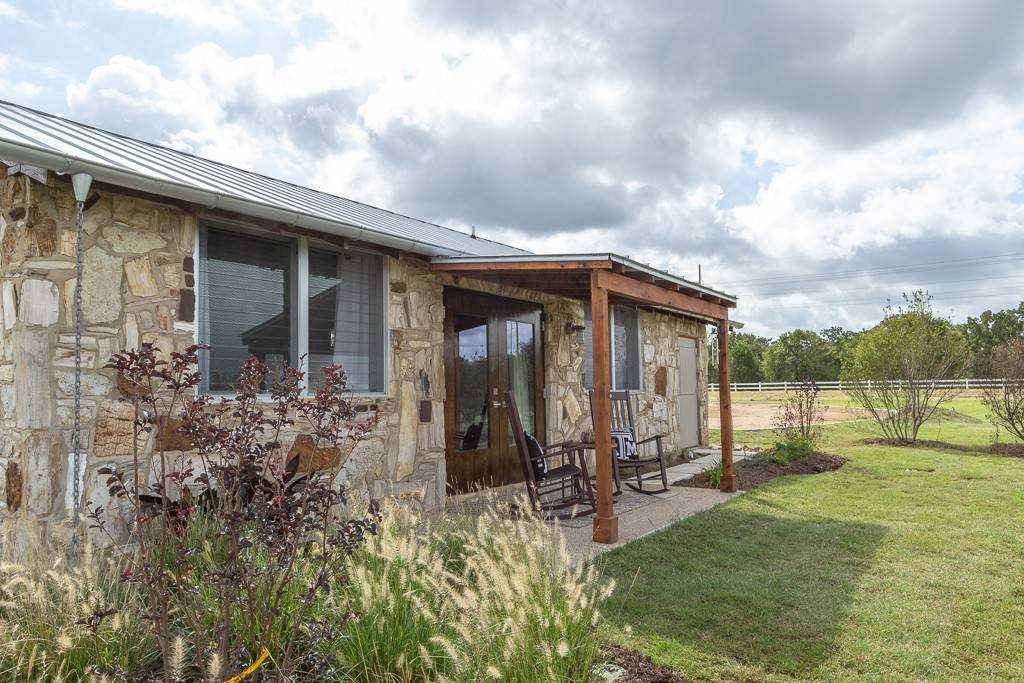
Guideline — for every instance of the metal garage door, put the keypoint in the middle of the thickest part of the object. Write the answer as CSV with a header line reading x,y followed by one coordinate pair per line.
x,y
686,400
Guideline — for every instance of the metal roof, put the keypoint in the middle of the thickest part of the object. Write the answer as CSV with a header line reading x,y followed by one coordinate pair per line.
x,y
627,263
65,146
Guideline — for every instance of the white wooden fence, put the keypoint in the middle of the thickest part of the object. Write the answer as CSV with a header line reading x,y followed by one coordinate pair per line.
x,y
841,386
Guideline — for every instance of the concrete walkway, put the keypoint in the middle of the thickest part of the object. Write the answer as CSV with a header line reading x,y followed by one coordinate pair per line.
x,y
639,514
706,458
665,509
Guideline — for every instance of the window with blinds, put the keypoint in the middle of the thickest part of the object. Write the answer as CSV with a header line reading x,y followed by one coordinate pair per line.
x,y
255,292
624,347
346,317
247,308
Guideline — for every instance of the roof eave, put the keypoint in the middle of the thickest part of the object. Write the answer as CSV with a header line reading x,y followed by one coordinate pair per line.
x,y
593,257
64,164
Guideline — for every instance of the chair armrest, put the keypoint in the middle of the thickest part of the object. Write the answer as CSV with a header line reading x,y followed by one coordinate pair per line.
x,y
565,445
656,437
569,452
561,448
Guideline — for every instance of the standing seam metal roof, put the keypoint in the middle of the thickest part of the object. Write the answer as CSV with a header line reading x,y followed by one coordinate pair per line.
x,y
37,131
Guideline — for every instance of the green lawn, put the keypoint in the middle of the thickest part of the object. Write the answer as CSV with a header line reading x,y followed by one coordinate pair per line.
x,y
906,564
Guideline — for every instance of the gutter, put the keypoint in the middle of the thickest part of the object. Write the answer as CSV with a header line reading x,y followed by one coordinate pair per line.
x,y
63,164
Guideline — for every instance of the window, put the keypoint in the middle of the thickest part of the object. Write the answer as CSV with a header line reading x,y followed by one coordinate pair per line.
x,y
346,317
248,307
625,348
282,300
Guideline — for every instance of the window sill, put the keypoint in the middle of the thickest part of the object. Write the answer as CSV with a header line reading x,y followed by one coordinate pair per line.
x,y
267,398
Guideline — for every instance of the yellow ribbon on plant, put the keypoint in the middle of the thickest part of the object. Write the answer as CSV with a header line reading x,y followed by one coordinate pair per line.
x,y
251,669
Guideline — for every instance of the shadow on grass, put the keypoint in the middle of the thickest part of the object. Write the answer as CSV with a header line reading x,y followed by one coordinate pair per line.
x,y
768,592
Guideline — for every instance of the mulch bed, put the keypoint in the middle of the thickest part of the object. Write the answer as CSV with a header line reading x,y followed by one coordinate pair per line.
x,y
1012,450
752,473
636,668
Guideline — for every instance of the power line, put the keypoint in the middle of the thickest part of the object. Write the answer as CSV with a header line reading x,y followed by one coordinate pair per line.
x,y
843,274
875,302
916,284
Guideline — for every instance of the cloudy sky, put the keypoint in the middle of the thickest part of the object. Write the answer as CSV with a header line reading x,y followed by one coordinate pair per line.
x,y
815,158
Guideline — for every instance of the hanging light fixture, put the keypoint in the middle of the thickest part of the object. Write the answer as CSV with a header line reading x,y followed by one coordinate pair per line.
x,y
81,182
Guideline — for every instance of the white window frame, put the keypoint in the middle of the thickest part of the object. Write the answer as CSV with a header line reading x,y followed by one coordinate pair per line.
x,y
300,294
638,347
612,375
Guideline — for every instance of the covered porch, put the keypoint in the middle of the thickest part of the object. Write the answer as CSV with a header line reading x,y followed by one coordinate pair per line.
x,y
603,280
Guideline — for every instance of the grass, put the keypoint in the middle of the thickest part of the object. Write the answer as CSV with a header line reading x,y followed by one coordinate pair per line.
x,y
904,565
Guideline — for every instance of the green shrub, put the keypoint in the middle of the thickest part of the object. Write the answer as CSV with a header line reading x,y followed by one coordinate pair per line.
x,y
714,475
792,449
890,370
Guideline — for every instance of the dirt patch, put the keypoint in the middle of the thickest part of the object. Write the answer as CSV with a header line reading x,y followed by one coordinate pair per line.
x,y
633,667
750,473
750,415
950,415
1011,450
1014,450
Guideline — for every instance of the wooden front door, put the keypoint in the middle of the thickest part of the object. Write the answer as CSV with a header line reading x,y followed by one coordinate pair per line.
x,y
491,344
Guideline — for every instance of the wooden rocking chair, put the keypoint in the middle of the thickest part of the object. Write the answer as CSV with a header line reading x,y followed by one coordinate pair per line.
x,y
623,431
556,477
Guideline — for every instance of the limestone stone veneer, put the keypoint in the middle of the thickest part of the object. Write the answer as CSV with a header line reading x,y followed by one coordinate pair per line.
x,y
139,288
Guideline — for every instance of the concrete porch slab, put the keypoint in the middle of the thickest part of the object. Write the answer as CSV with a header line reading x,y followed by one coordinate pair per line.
x,y
636,524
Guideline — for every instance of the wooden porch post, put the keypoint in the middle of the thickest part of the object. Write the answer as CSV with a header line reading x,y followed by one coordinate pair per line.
x,y
725,407
606,524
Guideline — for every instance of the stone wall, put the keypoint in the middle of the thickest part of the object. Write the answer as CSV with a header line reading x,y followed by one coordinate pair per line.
x,y
139,288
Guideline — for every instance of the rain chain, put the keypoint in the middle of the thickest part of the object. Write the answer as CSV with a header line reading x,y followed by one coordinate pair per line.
x,y
81,183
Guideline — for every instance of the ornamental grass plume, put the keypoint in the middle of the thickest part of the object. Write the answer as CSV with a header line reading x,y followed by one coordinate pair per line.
x,y
467,599
63,623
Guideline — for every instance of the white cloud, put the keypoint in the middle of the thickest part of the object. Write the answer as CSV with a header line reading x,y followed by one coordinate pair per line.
x,y
956,180
17,87
8,11
214,14
575,127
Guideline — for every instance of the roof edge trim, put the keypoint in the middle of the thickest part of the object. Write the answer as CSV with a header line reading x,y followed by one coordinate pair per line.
x,y
65,164
594,257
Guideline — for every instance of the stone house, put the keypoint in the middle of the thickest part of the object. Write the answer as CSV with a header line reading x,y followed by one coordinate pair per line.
x,y
431,324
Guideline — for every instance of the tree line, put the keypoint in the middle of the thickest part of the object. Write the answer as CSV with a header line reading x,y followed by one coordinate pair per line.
x,y
800,354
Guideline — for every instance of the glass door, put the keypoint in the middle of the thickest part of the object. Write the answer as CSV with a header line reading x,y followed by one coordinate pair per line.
x,y
492,344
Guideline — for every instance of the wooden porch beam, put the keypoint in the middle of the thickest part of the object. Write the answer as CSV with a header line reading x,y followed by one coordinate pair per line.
x,y
542,282
643,292
728,484
606,524
520,266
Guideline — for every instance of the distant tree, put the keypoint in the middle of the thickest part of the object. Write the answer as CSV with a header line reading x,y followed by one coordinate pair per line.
x,y
838,340
890,367
798,355
990,330
746,351
1006,400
